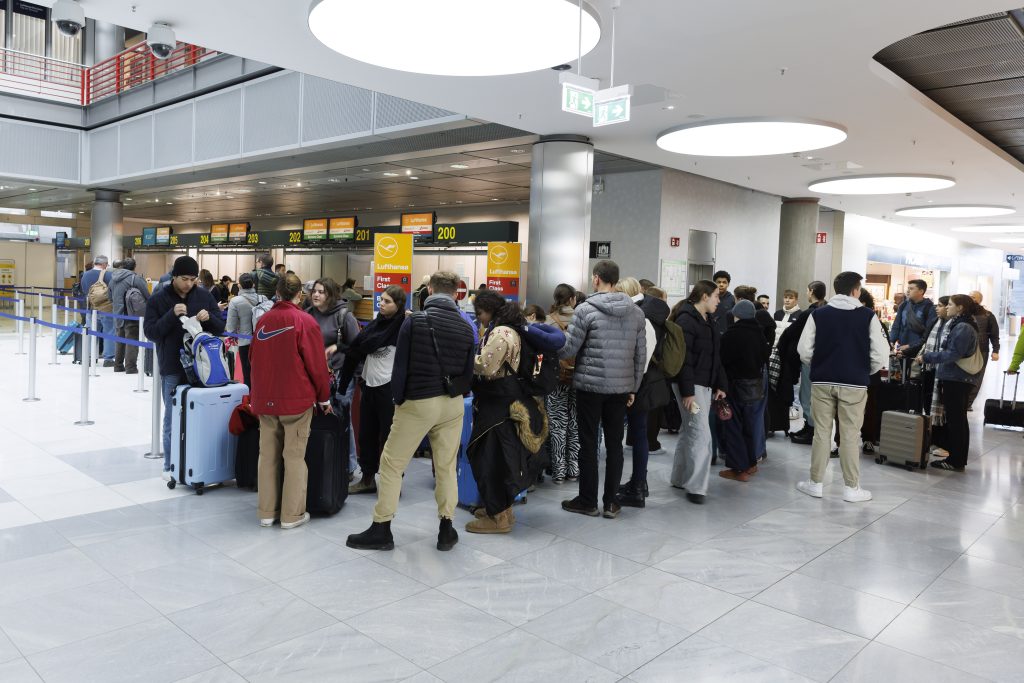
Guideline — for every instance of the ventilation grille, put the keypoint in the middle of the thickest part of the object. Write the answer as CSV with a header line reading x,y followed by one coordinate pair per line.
x,y
103,153
39,151
136,146
332,111
394,113
271,118
172,137
217,126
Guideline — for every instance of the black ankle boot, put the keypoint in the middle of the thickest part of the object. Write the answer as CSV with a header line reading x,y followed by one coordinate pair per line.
x,y
377,537
632,495
447,536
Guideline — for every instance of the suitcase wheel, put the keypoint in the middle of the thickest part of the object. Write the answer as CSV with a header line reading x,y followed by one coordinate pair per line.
x,y
171,484
199,489
880,460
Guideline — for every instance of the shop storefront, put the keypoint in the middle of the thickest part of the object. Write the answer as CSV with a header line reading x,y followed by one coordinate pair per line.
x,y
890,269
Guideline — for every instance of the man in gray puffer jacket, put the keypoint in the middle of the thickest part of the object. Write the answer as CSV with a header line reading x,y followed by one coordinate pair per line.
x,y
607,338
127,302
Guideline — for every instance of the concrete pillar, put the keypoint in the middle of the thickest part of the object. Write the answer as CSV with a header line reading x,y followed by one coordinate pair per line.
x,y
107,224
103,42
561,189
838,230
797,230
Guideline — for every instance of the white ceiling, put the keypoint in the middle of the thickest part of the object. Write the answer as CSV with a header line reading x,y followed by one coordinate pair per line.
x,y
708,59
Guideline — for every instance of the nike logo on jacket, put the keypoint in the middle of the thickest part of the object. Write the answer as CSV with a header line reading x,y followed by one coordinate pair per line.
x,y
263,334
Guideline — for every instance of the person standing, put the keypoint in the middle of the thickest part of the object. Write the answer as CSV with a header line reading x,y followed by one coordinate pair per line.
x,y
564,442
843,346
988,338
428,386
722,317
930,394
264,276
375,347
914,317
240,320
744,354
701,380
290,377
816,299
162,326
607,337
962,340
349,295
97,298
128,295
790,307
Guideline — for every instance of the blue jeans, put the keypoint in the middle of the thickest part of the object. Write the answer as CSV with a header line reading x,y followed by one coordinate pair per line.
x,y
167,386
743,435
637,435
107,325
805,394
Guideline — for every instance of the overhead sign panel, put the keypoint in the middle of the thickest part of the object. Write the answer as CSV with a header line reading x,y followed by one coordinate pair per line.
x,y
418,223
219,233
342,229
578,93
238,233
392,264
314,230
504,268
163,235
612,105
149,237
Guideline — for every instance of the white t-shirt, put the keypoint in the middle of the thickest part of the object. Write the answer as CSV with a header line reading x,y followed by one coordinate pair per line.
x,y
378,366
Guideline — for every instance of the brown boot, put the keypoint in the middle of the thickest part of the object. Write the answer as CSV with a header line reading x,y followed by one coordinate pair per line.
x,y
481,513
735,476
501,523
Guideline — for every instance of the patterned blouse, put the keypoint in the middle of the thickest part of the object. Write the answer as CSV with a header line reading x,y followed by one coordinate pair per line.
x,y
501,344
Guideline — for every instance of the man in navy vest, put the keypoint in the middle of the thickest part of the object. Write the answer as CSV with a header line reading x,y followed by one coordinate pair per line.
x,y
843,348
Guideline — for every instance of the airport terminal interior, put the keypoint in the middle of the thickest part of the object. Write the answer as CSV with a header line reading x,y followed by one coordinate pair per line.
x,y
501,151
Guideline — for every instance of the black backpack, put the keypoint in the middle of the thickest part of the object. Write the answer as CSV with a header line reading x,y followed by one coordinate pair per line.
x,y
538,368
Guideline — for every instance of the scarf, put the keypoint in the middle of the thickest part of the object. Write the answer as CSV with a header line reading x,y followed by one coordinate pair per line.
x,y
791,311
380,333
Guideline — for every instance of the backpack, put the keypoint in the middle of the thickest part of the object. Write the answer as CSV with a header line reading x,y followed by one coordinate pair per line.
x,y
263,304
265,282
134,302
538,358
566,366
673,350
204,360
99,295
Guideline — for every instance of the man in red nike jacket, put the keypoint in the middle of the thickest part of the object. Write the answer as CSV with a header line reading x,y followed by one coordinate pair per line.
x,y
289,376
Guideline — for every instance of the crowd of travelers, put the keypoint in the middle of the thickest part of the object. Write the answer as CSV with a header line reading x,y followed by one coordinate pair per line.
x,y
720,368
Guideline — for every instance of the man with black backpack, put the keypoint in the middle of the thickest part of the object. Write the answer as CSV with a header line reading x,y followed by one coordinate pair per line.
x,y
607,336
264,276
129,294
96,286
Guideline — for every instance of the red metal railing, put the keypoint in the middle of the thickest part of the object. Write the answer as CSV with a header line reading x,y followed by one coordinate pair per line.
x,y
52,79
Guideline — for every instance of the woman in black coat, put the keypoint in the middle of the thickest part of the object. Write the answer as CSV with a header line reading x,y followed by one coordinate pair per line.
x,y
744,354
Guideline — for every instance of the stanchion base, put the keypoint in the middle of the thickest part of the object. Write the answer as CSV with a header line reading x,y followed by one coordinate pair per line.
x,y
153,456
85,424
57,363
30,400
140,391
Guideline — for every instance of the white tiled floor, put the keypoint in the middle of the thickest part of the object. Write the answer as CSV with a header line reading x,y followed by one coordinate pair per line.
x,y
106,575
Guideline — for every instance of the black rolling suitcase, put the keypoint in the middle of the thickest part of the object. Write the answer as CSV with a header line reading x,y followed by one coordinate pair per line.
x,y
247,459
1002,412
327,462
147,362
776,414
78,349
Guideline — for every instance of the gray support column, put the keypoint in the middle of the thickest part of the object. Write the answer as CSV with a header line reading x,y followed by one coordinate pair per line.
x,y
107,224
797,230
838,230
105,41
561,189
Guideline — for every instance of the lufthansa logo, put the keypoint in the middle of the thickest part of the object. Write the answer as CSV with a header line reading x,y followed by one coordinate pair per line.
x,y
499,255
387,248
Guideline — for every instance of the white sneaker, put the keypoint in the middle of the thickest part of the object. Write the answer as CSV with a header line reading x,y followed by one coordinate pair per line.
x,y
812,489
268,522
856,494
298,522
794,413
657,451
167,476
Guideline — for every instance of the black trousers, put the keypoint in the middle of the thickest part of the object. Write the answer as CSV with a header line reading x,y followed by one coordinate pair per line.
x,y
957,435
593,412
243,355
376,413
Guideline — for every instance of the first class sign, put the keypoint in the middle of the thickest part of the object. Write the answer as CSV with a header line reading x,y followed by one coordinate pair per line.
x,y
504,268
392,264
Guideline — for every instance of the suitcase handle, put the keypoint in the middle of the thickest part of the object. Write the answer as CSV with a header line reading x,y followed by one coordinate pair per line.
x,y
1002,391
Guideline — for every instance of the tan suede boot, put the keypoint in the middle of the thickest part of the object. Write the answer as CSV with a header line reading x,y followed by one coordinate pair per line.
x,y
501,523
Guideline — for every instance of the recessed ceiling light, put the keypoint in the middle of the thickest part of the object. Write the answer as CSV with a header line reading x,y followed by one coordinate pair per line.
x,y
669,107
990,229
442,203
389,174
518,151
169,203
750,137
414,177
333,180
458,201
955,211
298,184
460,166
366,170
494,199
390,33
261,182
896,183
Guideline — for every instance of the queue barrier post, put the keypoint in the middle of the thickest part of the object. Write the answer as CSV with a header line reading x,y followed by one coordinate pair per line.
x,y
39,308
31,398
95,345
141,389
19,310
156,424
84,420
67,313
54,358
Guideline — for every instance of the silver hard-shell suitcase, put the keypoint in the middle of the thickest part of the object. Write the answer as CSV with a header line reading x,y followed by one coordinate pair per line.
x,y
904,440
202,446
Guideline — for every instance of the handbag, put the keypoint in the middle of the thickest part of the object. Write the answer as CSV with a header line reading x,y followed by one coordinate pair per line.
x,y
974,363
747,390
722,409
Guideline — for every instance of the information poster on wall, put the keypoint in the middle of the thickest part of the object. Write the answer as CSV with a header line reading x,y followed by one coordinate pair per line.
x,y
8,270
219,233
392,265
163,236
342,229
673,277
504,268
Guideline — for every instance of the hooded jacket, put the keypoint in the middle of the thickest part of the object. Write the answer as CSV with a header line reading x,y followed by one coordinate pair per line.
x,y
722,317
164,329
240,313
120,282
654,391
960,342
703,363
745,350
607,336
842,344
338,316
289,372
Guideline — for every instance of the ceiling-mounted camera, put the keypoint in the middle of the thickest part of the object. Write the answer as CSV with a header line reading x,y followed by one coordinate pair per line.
x,y
69,17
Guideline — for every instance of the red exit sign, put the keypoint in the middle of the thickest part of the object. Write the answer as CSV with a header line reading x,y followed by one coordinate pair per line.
x,y
821,238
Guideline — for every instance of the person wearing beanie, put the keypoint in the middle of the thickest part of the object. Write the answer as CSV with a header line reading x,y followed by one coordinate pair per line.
x,y
163,327
745,352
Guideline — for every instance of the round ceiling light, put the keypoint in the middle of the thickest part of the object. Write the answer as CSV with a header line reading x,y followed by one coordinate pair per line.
x,y
955,211
894,183
990,229
750,137
419,37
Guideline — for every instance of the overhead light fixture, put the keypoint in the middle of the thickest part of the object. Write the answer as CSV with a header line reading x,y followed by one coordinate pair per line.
x,y
460,167
389,174
262,182
391,34
494,199
333,180
31,189
992,229
518,151
893,183
414,177
750,137
298,184
408,171
955,211
366,170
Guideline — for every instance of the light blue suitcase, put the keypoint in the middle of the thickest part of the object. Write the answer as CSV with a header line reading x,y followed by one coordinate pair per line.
x,y
202,446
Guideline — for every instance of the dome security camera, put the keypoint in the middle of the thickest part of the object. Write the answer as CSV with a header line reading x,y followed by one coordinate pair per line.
x,y
161,40
69,17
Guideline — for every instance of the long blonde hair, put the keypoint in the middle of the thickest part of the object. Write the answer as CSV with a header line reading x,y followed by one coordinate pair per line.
x,y
629,286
